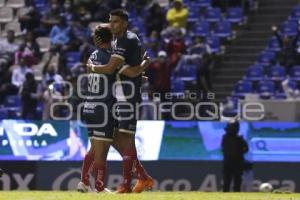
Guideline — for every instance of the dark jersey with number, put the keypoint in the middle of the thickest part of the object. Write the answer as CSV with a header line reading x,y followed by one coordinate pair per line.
x,y
99,88
129,49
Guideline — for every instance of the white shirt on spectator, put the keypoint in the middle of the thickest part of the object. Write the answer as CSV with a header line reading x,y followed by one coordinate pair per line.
x,y
18,75
6,47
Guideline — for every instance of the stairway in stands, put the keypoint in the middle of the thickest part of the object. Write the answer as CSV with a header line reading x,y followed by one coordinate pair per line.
x,y
250,41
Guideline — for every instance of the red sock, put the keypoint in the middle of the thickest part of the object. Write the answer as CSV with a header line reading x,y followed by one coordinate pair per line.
x,y
139,171
100,170
129,158
86,166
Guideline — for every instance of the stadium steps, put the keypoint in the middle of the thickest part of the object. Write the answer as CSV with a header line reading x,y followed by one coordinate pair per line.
x,y
251,40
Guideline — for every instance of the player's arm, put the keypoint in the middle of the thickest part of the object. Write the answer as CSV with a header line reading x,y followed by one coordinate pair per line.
x,y
109,68
134,71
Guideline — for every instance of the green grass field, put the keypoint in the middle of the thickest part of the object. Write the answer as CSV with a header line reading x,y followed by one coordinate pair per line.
x,y
39,195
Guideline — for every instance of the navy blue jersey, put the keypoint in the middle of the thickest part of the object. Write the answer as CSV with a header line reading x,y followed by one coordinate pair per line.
x,y
129,49
99,88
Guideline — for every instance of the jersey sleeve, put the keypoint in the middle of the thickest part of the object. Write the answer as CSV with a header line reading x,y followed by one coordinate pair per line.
x,y
120,49
92,58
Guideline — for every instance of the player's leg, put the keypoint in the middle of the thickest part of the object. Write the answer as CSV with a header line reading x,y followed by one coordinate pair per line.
x,y
124,143
101,150
84,184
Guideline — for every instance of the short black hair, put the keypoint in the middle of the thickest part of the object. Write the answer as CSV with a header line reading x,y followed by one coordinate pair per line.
x,y
120,13
103,33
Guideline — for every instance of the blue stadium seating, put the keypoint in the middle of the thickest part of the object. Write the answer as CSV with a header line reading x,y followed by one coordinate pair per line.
x,y
235,14
255,73
242,88
223,29
213,14
214,42
12,101
3,113
295,73
295,14
266,89
188,72
289,28
203,3
177,86
266,58
277,73
72,57
202,28
273,44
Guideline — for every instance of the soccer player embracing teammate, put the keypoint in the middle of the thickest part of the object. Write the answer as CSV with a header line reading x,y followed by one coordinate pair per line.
x,y
127,57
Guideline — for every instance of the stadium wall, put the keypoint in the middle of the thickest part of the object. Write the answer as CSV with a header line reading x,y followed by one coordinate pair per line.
x,y
169,175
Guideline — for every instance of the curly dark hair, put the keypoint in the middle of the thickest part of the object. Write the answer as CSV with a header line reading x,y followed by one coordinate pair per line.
x,y
103,33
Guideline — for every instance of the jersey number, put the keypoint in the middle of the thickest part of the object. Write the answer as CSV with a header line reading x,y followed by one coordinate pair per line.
x,y
94,83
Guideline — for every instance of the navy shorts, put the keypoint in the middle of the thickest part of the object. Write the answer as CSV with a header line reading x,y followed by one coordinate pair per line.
x,y
126,121
99,122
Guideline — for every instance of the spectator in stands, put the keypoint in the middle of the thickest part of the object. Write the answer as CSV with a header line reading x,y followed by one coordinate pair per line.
x,y
30,21
201,55
84,14
51,58
30,50
51,17
152,44
29,97
8,47
80,67
52,75
287,56
233,147
101,11
81,33
50,96
155,19
177,16
60,34
63,70
18,75
159,73
175,46
68,12
291,93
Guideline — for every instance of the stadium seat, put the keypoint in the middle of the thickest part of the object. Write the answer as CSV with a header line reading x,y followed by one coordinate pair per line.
x,y
203,3
6,15
289,28
194,15
273,44
277,73
295,73
295,14
44,43
213,14
177,87
254,73
202,28
12,101
15,3
242,88
266,58
223,29
188,72
266,89
279,94
15,26
3,113
235,14
72,57
21,12
214,42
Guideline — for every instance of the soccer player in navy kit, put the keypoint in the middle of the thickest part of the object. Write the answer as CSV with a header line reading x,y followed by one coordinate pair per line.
x,y
96,110
127,50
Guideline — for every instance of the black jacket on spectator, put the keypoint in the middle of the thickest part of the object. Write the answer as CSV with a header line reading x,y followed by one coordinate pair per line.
x,y
234,147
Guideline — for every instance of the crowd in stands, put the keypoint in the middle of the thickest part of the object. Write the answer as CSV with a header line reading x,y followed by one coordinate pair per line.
x,y
47,42
276,72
